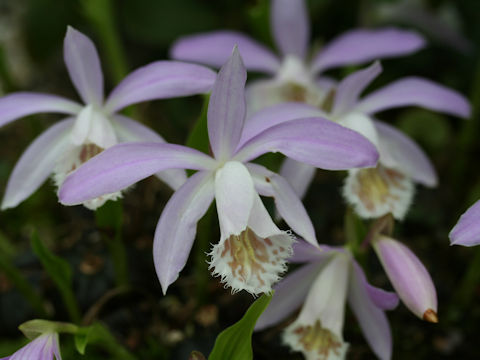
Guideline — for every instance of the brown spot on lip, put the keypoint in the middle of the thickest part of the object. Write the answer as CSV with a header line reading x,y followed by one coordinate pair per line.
x,y
430,316
267,179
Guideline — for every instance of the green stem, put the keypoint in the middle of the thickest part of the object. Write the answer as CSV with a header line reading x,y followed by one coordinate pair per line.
x,y
100,13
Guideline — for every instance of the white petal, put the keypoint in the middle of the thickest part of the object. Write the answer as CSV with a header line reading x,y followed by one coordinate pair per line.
x,y
254,259
378,191
234,194
362,124
317,332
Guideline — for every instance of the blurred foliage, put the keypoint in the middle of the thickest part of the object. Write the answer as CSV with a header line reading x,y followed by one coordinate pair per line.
x,y
102,253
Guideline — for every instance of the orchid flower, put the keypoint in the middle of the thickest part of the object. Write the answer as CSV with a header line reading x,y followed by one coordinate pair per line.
x,y
389,187
95,125
252,250
295,76
467,231
409,277
330,278
44,347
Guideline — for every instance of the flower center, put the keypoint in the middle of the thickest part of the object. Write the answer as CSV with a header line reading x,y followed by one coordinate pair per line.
x,y
314,340
247,261
379,191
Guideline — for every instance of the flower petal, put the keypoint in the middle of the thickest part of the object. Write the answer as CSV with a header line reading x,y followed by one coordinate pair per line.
x,y
226,109
37,163
372,319
352,86
20,104
287,202
290,26
318,329
315,141
298,175
378,191
254,259
419,92
397,150
467,231
160,80
123,165
409,277
274,115
83,65
234,195
129,130
177,226
215,48
289,295
288,86
307,252
363,45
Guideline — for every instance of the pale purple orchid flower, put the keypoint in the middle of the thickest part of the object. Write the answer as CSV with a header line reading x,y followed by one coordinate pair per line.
x,y
467,231
44,347
330,278
252,250
409,277
94,125
295,76
389,187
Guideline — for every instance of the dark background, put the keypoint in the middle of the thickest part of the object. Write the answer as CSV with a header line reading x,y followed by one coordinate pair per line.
x,y
197,307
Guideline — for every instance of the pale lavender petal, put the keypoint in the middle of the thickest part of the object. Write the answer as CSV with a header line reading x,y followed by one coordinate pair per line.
x,y
467,230
43,347
307,252
315,141
397,150
177,226
409,278
290,26
274,115
350,88
83,65
382,299
287,202
17,105
372,319
123,165
226,109
290,293
363,45
215,48
128,130
298,175
161,80
56,347
418,92
37,163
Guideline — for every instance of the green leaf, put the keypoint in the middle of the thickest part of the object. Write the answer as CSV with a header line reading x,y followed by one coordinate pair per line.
x,y
235,342
100,335
81,340
198,138
60,272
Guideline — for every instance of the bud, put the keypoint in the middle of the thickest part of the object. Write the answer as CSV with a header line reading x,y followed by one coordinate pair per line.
x,y
409,277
